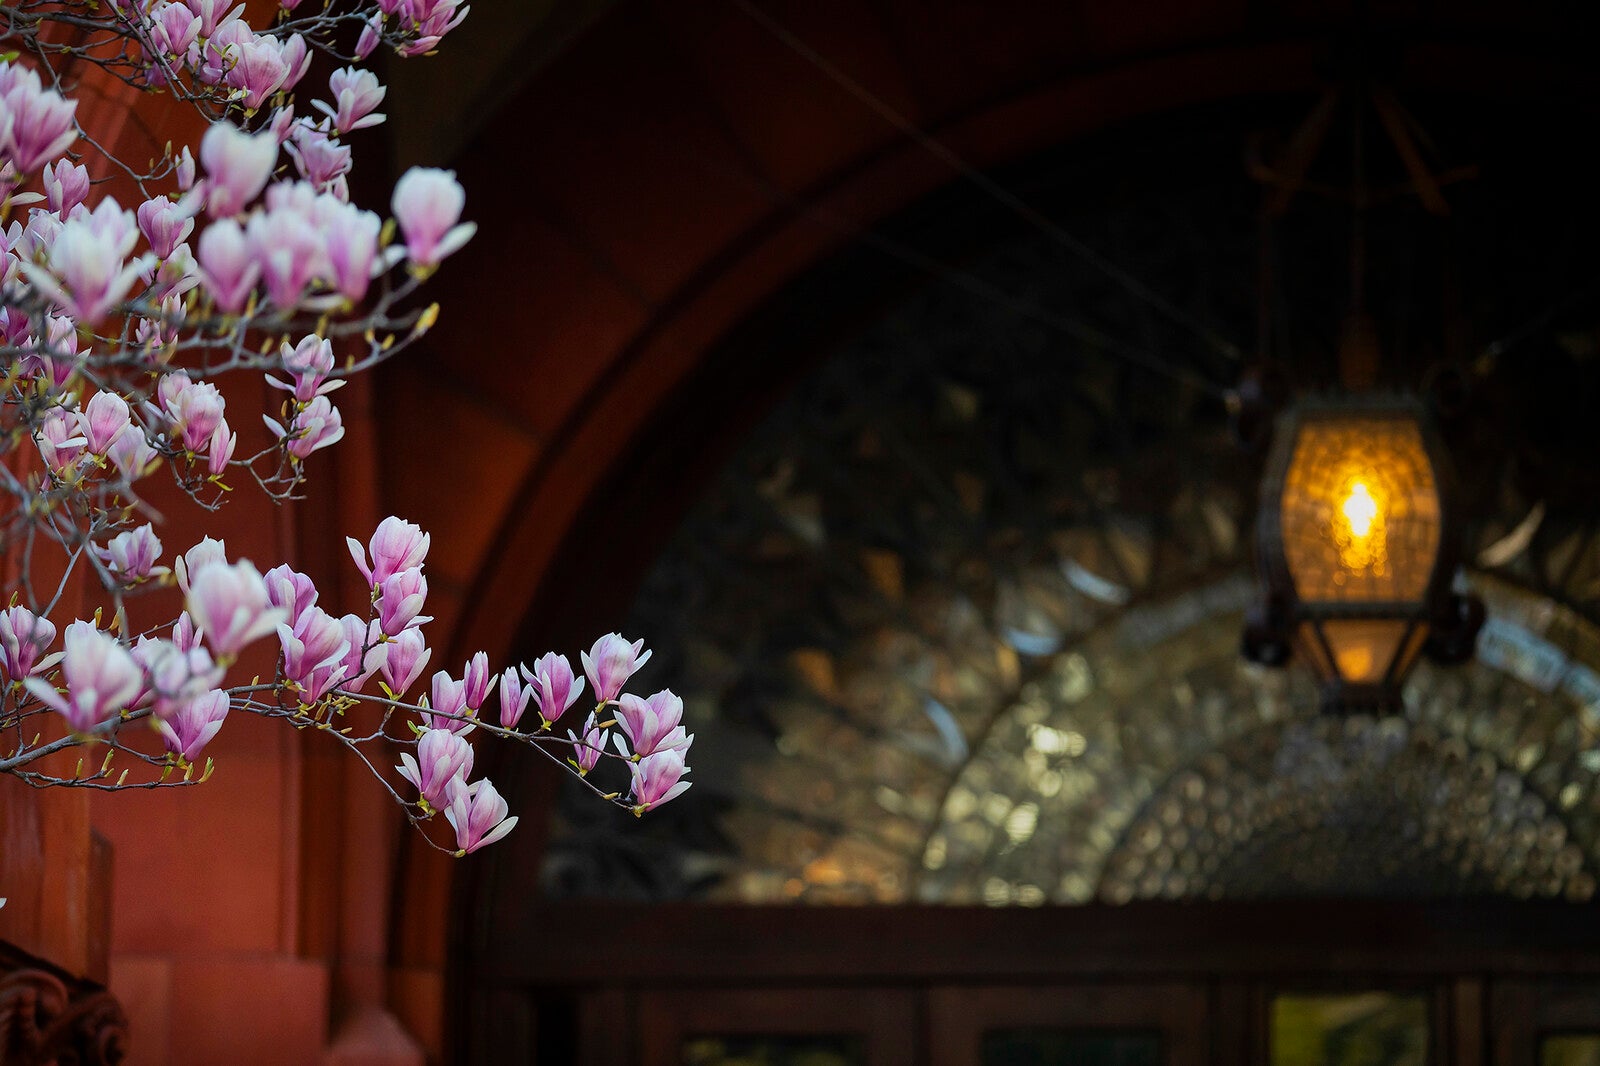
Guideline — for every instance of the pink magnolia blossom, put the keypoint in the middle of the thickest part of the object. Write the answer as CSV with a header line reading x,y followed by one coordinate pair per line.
x,y
230,605
155,335
160,328
217,54
652,724
173,28
32,241
132,554
107,220
88,273
169,388
657,779
396,545
227,265
297,57
183,169
282,124
610,663
427,204
291,590
155,70
24,636
238,165
478,815
319,158
442,757
165,223
172,276
514,698
195,409
448,698
14,324
193,724
61,440
308,364
132,455
352,247
146,651
66,185
371,34
185,634
404,660
105,418
551,682
316,425
35,122
356,96
586,750
101,678
477,681
53,358
314,653
175,675
259,70
289,249
429,20
400,600
220,449
212,13
359,633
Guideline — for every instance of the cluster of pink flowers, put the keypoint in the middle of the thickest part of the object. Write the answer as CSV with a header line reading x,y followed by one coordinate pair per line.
x,y
650,731
99,679
36,124
419,25
202,44
229,238
243,253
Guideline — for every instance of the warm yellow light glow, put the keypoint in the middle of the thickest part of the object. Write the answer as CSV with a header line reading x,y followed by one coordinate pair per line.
x,y
1360,509
1355,662
1358,529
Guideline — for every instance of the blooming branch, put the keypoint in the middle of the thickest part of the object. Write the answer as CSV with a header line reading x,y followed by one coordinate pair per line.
x,y
241,255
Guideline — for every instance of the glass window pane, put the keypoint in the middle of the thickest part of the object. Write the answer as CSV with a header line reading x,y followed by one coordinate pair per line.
x,y
1353,1029
745,1050
1063,1047
1570,1049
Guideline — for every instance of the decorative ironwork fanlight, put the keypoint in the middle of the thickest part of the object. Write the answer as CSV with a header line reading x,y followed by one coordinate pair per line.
x,y
1357,550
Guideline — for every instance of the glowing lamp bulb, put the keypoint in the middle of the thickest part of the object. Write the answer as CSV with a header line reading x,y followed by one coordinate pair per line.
x,y
1360,509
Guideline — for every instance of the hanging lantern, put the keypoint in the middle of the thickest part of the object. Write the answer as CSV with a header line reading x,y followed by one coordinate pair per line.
x,y
1357,550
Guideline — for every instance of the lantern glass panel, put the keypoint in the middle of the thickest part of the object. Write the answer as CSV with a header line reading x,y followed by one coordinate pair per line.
x,y
1360,511
1362,648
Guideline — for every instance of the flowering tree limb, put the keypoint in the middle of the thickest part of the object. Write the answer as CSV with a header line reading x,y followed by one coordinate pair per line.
x,y
242,255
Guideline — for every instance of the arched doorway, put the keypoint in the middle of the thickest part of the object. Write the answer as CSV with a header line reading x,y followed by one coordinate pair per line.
x,y
956,620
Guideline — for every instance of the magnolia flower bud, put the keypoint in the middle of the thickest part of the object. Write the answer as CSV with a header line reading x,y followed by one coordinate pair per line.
x,y
610,663
427,204
477,814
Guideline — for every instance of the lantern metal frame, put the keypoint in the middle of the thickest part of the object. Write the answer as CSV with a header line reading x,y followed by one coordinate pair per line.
x,y
1439,622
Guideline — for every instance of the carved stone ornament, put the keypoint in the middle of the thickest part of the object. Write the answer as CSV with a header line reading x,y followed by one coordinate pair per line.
x,y
44,1023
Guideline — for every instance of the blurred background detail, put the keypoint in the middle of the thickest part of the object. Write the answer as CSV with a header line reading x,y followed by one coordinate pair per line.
x,y
904,373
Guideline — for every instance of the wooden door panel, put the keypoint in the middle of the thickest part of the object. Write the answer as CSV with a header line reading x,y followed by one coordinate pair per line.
x,y
1523,1013
882,1021
958,1018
